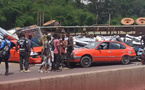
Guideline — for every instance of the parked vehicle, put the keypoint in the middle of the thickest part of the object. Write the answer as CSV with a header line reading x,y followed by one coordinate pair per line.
x,y
143,56
103,51
34,56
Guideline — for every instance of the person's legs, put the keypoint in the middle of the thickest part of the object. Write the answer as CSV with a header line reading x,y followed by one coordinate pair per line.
x,y
21,61
68,59
46,63
49,63
1,59
57,61
54,62
52,66
26,60
43,63
6,65
62,59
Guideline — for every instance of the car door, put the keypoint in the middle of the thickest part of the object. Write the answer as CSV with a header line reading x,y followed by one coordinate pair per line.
x,y
14,56
117,50
101,52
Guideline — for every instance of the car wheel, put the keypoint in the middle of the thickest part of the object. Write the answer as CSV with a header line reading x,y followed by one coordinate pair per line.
x,y
125,60
86,61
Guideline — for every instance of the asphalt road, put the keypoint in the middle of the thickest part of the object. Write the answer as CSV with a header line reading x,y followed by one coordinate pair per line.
x,y
15,74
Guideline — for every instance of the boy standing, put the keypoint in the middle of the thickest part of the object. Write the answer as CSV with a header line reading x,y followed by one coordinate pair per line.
x,y
46,55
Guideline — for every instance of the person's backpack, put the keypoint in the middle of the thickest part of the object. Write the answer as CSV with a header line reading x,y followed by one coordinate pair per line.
x,y
5,50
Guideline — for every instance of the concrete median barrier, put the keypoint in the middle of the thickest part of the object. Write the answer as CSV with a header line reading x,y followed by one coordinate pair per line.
x,y
114,79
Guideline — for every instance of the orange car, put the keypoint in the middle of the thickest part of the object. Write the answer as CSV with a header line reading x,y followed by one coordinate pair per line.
x,y
34,57
103,51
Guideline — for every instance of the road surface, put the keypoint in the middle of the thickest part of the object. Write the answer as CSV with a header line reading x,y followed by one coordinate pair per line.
x,y
15,74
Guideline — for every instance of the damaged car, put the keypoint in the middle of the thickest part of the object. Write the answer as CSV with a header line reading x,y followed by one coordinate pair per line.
x,y
34,56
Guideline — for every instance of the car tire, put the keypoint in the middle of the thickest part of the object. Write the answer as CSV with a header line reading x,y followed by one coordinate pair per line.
x,y
125,60
86,61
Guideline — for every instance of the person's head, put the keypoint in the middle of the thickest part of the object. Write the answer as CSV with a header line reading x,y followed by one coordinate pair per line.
x,y
55,36
5,36
48,37
29,36
63,37
44,33
21,35
68,34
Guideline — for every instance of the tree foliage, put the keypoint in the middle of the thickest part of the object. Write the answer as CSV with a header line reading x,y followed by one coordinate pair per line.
x,y
21,13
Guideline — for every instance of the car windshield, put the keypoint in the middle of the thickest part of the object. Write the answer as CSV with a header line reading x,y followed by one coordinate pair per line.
x,y
92,45
35,44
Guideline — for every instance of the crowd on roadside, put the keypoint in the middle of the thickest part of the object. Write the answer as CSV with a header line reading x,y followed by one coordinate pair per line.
x,y
55,49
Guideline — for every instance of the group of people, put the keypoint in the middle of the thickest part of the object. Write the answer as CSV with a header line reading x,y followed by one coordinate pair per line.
x,y
24,45
54,51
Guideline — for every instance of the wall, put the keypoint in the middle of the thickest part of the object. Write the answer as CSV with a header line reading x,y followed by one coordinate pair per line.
x,y
116,79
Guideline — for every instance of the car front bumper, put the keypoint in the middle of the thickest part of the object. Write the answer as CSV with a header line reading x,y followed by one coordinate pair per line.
x,y
75,59
35,60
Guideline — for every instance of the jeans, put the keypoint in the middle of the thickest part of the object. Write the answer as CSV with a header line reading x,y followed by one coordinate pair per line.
x,y
6,62
62,58
46,61
68,58
56,62
24,56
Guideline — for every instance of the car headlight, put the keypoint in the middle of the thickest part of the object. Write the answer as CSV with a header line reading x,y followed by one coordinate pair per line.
x,y
73,54
34,55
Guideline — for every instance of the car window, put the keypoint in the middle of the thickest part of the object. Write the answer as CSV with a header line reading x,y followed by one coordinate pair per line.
x,y
104,45
122,46
115,45
92,45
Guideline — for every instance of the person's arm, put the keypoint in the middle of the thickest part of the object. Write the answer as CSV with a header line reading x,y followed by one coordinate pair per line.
x,y
17,47
32,46
64,44
49,50
27,45
70,42
2,44
46,49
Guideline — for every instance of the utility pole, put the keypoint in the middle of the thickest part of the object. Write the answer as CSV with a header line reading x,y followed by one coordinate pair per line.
x,y
40,18
109,18
109,11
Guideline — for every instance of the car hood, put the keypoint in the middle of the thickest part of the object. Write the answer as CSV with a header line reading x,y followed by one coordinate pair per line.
x,y
37,49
